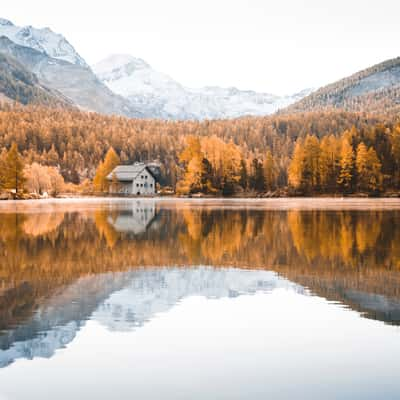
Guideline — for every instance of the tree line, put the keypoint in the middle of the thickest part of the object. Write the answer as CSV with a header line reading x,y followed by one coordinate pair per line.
x,y
320,152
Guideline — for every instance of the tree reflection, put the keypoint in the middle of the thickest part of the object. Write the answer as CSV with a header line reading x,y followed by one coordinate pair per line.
x,y
327,251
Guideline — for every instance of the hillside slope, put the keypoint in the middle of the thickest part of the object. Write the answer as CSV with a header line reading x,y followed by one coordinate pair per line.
x,y
19,84
375,89
76,82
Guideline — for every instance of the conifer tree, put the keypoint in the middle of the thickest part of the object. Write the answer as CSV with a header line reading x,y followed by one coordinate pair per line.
x,y
362,167
100,180
311,171
329,162
270,171
258,176
346,174
3,156
14,178
295,170
244,178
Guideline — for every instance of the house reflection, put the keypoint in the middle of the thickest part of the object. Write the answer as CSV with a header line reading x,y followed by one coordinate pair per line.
x,y
136,219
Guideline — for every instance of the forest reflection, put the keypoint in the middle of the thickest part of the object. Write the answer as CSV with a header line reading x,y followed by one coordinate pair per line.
x,y
348,256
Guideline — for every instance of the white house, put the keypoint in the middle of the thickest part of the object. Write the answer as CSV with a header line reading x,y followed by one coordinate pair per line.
x,y
136,179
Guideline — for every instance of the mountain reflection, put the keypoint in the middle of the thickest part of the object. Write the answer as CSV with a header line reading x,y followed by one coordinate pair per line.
x,y
61,267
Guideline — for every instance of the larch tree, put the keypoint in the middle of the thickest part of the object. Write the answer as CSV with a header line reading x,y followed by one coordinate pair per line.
x,y
296,166
329,163
100,181
374,168
362,167
192,158
346,174
14,178
3,156
270,171
311,162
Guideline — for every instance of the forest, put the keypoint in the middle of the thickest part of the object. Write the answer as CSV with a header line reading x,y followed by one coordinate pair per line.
x,y
328,152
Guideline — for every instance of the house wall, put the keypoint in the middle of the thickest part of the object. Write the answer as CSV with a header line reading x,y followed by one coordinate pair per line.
x,y
144,184
124,188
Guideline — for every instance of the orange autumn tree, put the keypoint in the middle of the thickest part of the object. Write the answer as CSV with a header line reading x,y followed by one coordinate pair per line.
x,y
105,167
13,174
198,170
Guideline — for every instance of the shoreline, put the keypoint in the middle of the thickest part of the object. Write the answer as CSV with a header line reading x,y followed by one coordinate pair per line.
x,y
282,203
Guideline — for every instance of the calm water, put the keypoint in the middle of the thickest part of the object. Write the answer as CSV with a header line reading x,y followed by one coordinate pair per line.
x,y
277,299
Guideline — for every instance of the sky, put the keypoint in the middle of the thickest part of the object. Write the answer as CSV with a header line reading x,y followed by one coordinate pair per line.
x,y
279,46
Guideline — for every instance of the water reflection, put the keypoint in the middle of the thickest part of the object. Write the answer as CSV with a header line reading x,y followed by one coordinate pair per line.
x,y
124,301
64,266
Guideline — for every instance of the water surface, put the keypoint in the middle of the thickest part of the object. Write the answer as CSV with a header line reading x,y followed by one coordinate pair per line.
x,y
180,299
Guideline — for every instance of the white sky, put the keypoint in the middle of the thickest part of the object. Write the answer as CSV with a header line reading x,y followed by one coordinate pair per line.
x,y
277,46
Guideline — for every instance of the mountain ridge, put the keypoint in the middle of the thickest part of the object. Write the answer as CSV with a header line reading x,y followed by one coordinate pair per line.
x,y
158,95
75,82
374,89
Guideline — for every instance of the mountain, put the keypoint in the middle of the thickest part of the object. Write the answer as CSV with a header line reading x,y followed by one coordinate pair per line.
x,y
59,67
156,95
19,84
43,40
375,89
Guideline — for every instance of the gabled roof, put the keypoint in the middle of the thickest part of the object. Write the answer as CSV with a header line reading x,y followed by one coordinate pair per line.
x,y
127,173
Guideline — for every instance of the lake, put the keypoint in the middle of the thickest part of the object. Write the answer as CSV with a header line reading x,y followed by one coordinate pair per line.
x,y
200,299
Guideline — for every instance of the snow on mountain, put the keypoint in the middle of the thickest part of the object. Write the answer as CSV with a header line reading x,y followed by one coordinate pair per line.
x,y
157,95
44,40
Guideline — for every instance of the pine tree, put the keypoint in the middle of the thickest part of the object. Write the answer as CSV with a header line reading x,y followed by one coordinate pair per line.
x,y
14,178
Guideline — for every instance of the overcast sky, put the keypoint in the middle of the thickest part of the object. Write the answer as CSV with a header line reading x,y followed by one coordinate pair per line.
x,y
278,46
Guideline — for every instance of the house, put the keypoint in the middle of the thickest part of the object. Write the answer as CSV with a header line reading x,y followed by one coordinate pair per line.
x,y
137,179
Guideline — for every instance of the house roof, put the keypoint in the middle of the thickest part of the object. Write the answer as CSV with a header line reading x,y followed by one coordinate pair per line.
x,y
126,173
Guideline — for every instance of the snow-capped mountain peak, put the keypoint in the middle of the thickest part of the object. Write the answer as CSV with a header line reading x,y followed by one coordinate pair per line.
x,y
117,62
5,22
157,95
44,40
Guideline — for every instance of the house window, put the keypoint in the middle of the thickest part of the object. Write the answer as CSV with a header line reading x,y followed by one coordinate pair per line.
x,y
142,176
145,177
151,185
137,185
